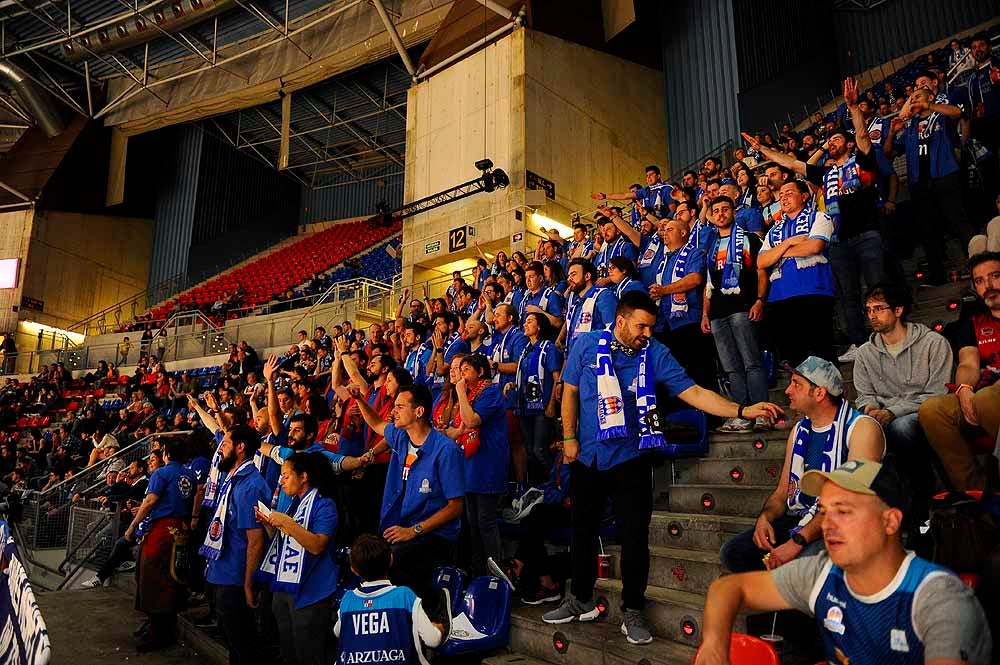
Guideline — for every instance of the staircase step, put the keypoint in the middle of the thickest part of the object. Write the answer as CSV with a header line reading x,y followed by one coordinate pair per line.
x,y
675,568
594,643
695,531
739,500
672,615
729,445
737,471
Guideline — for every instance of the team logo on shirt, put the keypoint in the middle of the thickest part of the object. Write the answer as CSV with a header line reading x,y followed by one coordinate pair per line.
x,y
368,602
425,486
897,640
834,621
184,485
585,318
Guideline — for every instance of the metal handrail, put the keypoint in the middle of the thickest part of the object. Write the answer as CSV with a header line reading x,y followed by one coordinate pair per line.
x,y
98,524
351,284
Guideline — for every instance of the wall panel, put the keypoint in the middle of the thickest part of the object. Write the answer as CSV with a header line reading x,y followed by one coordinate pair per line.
x,y
352,199
175,203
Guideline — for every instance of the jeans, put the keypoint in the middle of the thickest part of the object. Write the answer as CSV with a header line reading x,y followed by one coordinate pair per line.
x,y
740,554
736,341
860,257
630,485
304,631
534,529
414,561
481,511
940,205
907,443
238,624
537,430
800,327
120,553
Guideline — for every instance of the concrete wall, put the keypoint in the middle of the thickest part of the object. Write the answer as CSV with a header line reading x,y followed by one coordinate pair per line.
x,y
79,264
593,121
582,119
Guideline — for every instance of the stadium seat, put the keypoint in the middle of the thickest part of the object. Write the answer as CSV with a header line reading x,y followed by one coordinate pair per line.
x,y
686,434
483,620
750,650
452,579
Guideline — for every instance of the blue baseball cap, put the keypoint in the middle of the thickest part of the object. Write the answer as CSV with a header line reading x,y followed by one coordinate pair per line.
x,y
822,373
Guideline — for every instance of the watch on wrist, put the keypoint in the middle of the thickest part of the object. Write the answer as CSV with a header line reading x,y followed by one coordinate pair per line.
x,y
417,529
799,540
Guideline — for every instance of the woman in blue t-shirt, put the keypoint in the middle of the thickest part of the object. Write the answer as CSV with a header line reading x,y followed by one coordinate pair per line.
x,y
300,563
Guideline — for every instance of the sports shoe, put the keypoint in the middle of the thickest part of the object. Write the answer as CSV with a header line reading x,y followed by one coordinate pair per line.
x,y
761,424
95,582
736,425
634,627
849,355
506,573
571,609
442,614
540,596
725,426
126,567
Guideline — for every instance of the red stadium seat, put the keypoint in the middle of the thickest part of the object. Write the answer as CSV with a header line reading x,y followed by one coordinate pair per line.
x,y
750,650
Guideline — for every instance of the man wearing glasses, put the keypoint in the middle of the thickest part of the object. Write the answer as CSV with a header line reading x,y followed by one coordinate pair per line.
x,y
900,366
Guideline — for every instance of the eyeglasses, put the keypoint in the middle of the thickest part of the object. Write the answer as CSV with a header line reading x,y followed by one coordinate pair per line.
x,y
876,309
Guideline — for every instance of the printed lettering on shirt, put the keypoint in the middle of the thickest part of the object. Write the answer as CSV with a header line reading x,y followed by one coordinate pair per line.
x,y
370,623
377,656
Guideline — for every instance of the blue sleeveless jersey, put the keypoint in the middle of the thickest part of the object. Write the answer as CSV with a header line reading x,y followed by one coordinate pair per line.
x,y
377,626
878,629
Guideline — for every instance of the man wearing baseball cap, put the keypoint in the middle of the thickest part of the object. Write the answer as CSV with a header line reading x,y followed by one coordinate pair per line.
x,y
830,433
876,602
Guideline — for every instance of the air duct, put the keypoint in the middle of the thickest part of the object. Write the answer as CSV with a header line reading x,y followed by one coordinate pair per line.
x,y
33,97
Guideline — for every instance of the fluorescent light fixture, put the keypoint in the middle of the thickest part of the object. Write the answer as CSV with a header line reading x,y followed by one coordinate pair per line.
x,y
8,273
544,222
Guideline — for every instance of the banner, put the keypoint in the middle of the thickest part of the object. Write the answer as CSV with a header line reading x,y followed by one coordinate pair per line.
x,y
23,637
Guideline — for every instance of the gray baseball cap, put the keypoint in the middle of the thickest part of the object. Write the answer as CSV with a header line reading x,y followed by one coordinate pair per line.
x,y
822,373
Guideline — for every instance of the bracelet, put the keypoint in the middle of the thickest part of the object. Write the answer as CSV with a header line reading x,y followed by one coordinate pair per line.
x,y
570,438
962,386
739,412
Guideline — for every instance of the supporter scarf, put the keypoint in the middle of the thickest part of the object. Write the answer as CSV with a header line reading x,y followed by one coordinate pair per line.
x,y
748,199
787,228
694,239
622,286
287,559
834,453
212,548
212,483
838,181
508,299
611,406
455,337
646,260
543,302
499,351
586,322
413,364
734,260
678,301
535,355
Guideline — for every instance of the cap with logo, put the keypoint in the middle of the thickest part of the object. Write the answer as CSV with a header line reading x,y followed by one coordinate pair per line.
x,y
863,477
822,373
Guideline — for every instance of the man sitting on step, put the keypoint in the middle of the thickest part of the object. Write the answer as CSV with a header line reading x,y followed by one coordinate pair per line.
x,y
953,421
830,432
877,603
610,386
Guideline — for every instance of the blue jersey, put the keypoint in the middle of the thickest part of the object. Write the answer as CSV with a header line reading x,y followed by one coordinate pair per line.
x,y
376,624
174,487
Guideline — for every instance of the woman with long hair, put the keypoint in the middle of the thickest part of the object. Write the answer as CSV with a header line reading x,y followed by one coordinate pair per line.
x,y
520,259
301,562
445,410
538,372
555,277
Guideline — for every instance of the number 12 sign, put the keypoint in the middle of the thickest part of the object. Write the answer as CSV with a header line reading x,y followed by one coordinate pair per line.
x,y
458,239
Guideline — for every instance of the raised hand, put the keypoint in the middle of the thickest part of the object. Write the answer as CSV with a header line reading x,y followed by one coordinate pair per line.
x,y
270,367
751,141
851,92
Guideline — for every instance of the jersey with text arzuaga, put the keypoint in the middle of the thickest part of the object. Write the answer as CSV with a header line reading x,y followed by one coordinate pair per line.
x,y
377,626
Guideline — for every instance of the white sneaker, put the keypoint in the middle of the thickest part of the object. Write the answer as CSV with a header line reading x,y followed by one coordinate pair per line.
x,y
741,425
95,582
727,426
849,355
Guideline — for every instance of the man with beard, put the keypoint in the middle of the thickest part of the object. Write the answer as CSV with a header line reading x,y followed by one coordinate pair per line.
x,y
590,307
417,353
973,408
609,412
161,588
539,297
874,601
615,244
234,544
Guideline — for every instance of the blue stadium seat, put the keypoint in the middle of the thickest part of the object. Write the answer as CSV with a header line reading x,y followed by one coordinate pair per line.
x,y
452,579
686,434
483,622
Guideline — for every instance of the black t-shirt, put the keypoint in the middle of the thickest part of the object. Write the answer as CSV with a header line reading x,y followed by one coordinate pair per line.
x,y
726,304
859,208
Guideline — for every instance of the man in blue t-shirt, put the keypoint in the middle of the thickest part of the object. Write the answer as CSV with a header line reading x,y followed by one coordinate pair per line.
x,y
235,542
603,397
424,489
874,601
656,195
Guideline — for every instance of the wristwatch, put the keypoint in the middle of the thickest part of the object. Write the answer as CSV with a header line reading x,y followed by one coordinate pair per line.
x,y
799,540
417,529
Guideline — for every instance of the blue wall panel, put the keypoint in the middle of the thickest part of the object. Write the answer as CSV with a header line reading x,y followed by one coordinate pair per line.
x,y
701,75
175,203
352,199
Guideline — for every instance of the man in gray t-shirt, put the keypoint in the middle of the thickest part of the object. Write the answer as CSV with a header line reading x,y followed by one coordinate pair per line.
x,y
876,602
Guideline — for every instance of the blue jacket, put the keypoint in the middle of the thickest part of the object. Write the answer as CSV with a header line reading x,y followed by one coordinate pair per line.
x,y
940,146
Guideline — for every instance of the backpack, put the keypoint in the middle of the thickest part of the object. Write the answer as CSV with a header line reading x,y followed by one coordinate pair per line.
x,y
962,533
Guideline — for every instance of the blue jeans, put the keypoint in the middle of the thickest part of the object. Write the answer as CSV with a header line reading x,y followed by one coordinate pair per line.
x,y
740,554
906,442
736,341
859,257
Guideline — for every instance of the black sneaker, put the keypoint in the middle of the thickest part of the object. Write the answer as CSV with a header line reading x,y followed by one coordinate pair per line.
x,y
541,595
442,614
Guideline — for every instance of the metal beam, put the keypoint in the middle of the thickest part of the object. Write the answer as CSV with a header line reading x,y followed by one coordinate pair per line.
x,y
271,23
361,133
394,35
506,27
314,130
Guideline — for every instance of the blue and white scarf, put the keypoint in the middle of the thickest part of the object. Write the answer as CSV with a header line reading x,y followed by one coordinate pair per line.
x,y
678,301
543,302
498,353
623,287
212,482
611,405
734,261
834,454
786,228
212,547
608,252
646,260
413,363
586,322
533,357
439,379
286,559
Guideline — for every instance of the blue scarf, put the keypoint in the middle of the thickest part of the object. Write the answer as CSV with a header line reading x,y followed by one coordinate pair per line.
x,y
287,560
734,259
611,406
786,228
834,454
652,248
533,361
413,364
678,301
212,547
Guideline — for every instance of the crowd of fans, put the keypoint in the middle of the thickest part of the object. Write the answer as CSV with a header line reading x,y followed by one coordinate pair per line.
x,y
560,372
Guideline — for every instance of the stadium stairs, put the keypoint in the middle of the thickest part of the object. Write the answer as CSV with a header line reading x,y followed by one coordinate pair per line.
x,y
699,503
